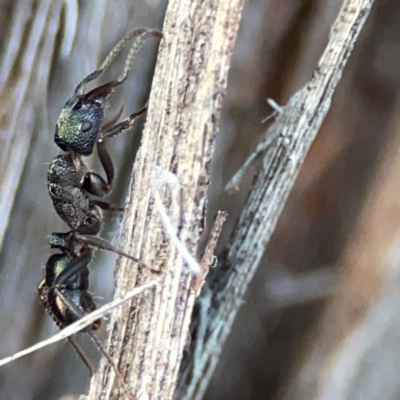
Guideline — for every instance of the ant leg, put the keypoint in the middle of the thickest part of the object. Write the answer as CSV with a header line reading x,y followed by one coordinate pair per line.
x,y
93,221
123,126
112,122
80,313
95,241
104,205
93,182
77,266
82,355
111,362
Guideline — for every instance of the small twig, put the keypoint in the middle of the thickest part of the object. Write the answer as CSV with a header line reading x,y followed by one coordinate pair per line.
x,y
80,324
270,137
199,270
277,110
209,253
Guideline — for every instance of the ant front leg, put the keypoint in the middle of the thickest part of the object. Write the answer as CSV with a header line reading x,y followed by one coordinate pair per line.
x,y
123,126
95,183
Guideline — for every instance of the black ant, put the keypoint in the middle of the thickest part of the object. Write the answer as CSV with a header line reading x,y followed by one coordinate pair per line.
x,y
64,290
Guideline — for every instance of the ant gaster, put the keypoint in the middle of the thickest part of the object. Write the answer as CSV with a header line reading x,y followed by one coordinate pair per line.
x,y
64,293
64,290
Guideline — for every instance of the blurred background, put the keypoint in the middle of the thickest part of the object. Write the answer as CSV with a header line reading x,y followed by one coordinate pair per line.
x,y
322,317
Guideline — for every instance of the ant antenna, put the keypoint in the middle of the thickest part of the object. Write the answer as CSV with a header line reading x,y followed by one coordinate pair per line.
x,y
133,51
142,33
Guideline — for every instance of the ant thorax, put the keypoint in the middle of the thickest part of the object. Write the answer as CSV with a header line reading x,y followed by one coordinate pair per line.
x,y
65,180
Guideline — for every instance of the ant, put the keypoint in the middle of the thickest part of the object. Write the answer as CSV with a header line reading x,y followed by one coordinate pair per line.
x,y
80,126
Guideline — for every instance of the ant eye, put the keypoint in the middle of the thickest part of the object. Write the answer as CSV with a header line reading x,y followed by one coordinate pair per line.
x,y
78,105
86,126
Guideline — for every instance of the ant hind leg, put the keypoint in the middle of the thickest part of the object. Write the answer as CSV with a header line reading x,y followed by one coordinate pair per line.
x,y
106,206
81,355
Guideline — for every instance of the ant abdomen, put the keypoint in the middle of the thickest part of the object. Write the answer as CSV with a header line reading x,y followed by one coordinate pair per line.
x,y
61,312
64,290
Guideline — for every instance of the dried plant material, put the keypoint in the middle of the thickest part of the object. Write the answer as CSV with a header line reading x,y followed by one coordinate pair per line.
x,y
189,86
296,127
209,259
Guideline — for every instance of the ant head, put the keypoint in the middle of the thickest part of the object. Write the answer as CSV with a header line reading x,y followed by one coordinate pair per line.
x,y
81,119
